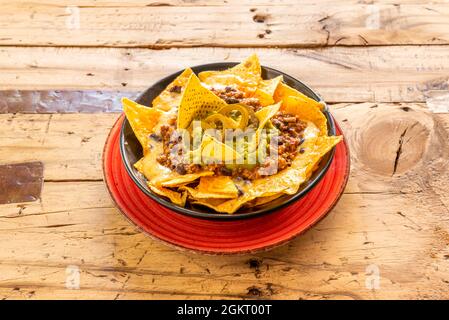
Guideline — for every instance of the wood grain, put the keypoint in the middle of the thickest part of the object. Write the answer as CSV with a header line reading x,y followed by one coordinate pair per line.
x,y
391,217
339,74
164,26
225,3
69,145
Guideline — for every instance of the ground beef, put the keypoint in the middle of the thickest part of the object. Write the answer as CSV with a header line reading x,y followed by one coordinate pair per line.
x,y
232,95
176,89
291,136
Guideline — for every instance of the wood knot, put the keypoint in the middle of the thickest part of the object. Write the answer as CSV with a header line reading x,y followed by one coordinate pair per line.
x,y
393,143
254,291
260,18
254,263
266,291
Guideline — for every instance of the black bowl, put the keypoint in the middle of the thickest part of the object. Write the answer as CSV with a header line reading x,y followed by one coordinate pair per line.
x,y
131,150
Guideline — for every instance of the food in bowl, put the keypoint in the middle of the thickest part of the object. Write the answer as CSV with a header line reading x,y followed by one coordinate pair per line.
x,y
227,139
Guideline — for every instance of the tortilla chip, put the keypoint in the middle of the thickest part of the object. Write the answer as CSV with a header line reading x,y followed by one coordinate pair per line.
x,y
305,112
142,120
196,103
283,91
170,98
266,89
249,66
314,150
151,168
214,187
277,183
139,165
227,206
304,164
176,180
246,75
218,184
270,85
196,194
177,198
266,114
263,200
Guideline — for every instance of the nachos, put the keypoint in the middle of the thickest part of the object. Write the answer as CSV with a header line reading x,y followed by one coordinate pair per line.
x,y
227,139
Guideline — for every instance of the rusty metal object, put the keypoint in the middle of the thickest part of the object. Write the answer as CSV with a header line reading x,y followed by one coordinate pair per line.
x,y
21,182
62,101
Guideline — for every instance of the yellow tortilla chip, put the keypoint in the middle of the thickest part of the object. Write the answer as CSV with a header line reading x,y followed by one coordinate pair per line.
x,y
196,194
270,85
142,120
227,206
277,183
175,179
262,200
304,164
139,165
264,98
283,91
266,89
305,112
314,150
249,66
196,103
246,75
177,198
171,97
214,187
151,168
266,114
218,184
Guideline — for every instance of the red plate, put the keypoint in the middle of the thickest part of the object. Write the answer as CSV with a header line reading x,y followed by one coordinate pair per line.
x,y
221,237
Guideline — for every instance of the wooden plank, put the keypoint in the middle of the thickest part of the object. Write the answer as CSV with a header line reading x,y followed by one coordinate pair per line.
x,y
179,3
339,74
69,146
49,24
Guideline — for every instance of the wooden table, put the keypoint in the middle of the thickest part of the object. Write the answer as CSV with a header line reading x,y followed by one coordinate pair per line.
x,y
382,65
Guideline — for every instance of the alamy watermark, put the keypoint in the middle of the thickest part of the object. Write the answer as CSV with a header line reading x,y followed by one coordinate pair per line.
x,y
73,21
372,280
73,277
